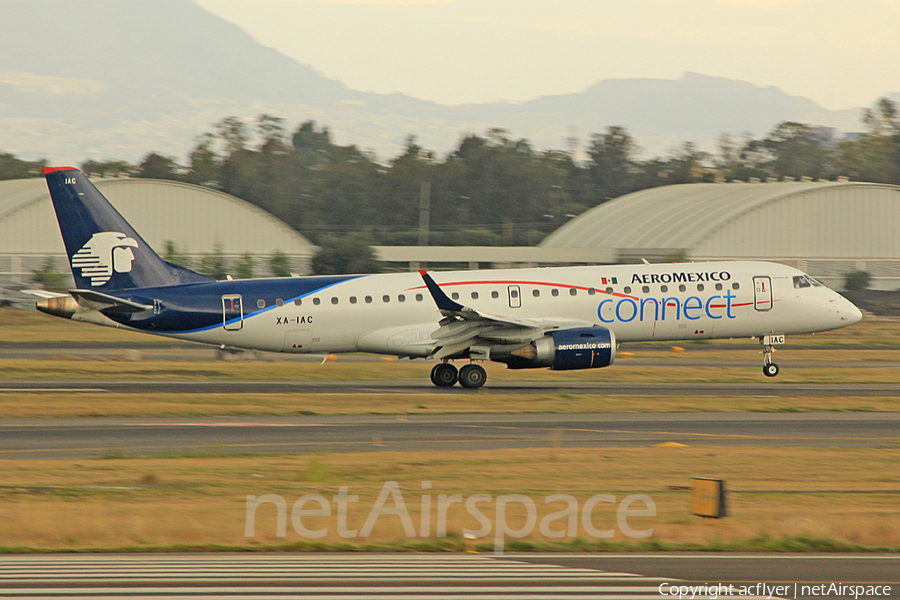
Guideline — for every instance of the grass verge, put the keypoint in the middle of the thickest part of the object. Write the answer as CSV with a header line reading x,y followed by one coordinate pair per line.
x,y
801,500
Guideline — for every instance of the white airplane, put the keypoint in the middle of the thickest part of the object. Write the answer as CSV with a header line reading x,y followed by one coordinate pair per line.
x,y
562,318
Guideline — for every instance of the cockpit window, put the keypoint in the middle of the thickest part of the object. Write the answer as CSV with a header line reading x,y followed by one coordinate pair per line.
x,y
802,281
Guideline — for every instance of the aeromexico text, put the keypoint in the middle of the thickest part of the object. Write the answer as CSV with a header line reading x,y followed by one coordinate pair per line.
x,y
692,308
681,277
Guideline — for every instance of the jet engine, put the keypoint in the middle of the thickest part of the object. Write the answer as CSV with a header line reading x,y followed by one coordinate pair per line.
x,y
567,349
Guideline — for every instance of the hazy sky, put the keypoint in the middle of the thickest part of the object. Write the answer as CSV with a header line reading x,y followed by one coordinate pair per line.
x,y
837,52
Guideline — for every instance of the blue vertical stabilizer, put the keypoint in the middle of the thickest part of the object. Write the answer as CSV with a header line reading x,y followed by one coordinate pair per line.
x,y
104,251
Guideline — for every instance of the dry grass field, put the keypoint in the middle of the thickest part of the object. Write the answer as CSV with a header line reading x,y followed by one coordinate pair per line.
x,y
779,500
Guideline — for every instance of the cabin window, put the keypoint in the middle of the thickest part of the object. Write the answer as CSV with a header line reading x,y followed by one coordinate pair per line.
x,y
591,291
401,298
700,287
536,293
664,289
352,299
627,289
279,302
573,292
419,297
298,302
368,299
682,288
334,300
735,286
474,295
554,292
609,291
261,303
646,289
455,296
495,295
385,298
718,287
316,301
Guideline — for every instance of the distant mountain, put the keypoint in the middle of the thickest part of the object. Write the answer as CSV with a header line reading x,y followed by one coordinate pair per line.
x,y
120,78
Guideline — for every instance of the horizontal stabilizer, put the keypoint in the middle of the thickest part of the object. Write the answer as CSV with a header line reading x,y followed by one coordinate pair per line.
x,y
44,294
99,301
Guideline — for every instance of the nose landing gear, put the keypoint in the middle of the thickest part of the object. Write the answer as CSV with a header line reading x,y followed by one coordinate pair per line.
x,y
770,369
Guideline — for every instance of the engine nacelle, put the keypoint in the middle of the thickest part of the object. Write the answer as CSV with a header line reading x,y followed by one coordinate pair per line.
x,y
582,348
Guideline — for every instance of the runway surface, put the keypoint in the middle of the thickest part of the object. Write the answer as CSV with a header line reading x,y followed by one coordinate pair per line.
x,y
764,388
422,576
115,436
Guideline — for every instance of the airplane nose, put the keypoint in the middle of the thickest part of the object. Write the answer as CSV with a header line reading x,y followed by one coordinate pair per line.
x,y
848,312
855,315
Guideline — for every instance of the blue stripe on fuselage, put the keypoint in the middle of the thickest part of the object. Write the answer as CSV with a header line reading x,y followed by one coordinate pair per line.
x,y
198,307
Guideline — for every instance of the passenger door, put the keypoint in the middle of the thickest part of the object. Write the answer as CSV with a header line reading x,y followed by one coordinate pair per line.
x,y
232,312
762,293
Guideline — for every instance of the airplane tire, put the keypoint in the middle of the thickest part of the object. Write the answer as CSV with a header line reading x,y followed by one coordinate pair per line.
x,y
770,370
472,376
444,375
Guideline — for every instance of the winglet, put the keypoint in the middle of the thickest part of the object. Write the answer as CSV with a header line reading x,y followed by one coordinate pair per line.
x,y
440,298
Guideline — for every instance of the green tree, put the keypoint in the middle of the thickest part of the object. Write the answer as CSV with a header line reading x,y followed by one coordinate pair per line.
x,y
47,277
213,264
611,165
279,264
172,255
876,155
857,280
798,150
350,254
14,168
157,166
244,267
204,161
109,168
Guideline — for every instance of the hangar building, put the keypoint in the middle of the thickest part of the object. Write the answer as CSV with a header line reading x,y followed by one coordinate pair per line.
x,y
199,221
824,228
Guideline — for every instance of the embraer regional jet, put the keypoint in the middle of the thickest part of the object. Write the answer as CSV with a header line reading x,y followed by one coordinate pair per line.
x,y
561,317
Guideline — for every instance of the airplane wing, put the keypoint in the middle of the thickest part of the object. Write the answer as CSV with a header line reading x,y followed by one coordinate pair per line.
x,y
463,327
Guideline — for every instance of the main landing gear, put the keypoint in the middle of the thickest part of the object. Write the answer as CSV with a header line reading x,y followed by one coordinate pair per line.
x,y
470,376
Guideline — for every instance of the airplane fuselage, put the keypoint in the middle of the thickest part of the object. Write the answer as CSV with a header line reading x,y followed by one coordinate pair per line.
x,y
394,313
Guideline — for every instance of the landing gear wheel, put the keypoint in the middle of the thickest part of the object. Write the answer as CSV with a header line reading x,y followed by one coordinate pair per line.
x,y
472,376
770,370
444,375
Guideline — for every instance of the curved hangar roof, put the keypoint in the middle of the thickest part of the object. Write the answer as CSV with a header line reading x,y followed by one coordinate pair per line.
x,y
745,220
195,218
